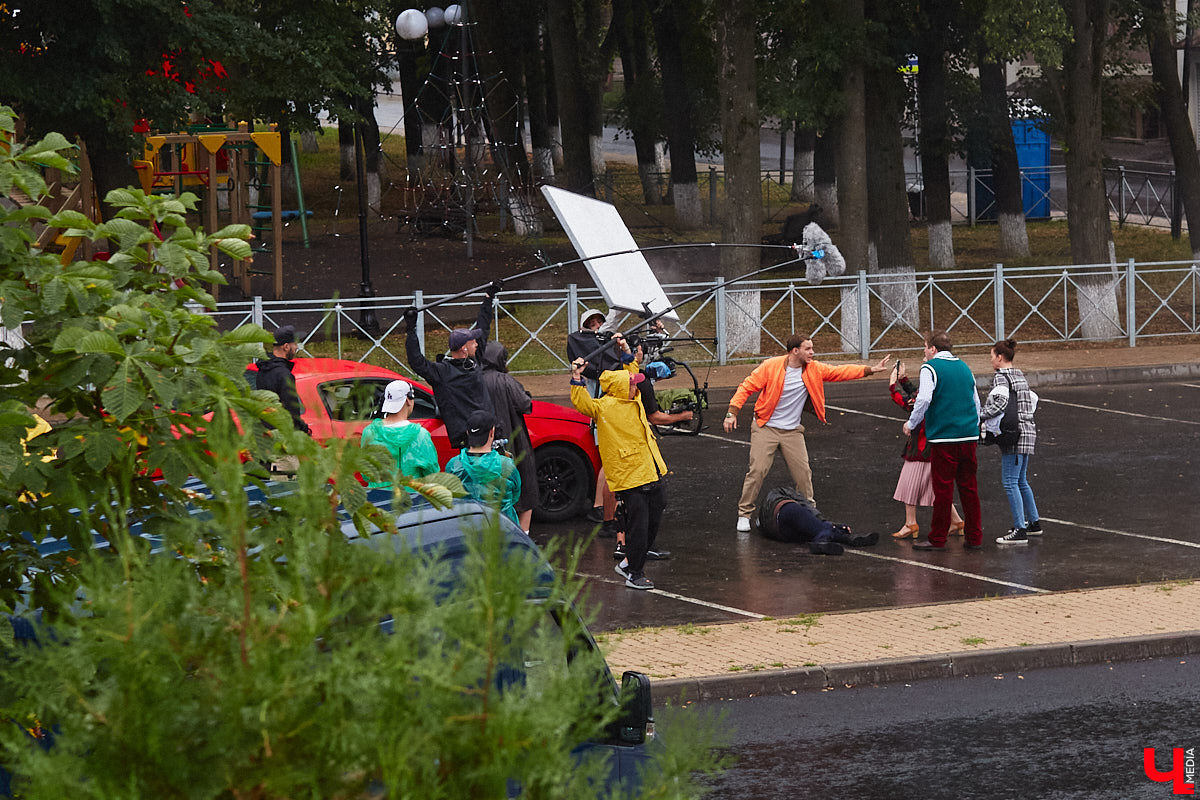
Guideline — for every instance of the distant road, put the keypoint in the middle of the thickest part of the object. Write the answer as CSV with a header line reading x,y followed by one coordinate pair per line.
x,y
1053,733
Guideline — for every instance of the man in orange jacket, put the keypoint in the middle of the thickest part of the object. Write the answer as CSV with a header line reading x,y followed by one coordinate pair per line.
x,y
787,385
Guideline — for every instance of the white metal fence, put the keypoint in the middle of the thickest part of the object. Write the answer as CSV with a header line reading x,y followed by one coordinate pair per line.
x,y
860,314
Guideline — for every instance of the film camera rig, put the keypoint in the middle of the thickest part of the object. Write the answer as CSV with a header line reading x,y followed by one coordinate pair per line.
x,y
659,365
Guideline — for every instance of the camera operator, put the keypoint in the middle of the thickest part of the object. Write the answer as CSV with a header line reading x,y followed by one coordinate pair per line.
x,y
596,329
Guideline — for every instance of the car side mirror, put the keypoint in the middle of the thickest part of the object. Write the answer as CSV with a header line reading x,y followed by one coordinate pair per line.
x,y
637,718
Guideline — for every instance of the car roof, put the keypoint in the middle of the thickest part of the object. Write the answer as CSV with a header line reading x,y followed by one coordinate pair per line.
x,y
341,367
447,531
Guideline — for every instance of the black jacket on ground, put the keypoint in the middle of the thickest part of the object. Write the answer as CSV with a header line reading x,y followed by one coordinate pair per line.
x,y
275,375
457,383
768,516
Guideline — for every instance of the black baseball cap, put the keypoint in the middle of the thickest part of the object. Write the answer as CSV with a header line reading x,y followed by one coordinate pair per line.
x,y
479,426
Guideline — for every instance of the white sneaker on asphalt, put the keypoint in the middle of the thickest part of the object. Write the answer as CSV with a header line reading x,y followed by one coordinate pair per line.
x,y
743,525
622,569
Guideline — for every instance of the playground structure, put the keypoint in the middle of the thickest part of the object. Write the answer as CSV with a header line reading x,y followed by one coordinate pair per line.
x,y
232,162
61,196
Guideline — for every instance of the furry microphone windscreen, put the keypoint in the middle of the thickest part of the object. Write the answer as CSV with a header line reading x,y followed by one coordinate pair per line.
x,y
833,264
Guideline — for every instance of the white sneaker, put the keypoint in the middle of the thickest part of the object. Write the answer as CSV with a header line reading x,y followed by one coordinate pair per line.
x,y
743,525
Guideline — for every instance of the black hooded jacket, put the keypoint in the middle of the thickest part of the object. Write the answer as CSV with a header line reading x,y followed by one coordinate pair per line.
x,y
275,375
457,383
768,516
512,402
509,398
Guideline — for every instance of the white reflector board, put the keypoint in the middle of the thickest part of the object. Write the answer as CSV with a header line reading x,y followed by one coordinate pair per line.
x,y
596,229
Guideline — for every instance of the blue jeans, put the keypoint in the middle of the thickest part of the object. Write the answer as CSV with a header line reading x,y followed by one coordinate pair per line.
x,y
1020,497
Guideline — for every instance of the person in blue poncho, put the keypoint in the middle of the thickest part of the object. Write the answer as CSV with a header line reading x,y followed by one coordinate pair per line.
x,y
408,442
488,476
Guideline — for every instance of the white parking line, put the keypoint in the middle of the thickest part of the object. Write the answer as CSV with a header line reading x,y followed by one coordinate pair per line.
x,y
1191,385
673,596
899,420
960,573
1130,534
725,439
1115,411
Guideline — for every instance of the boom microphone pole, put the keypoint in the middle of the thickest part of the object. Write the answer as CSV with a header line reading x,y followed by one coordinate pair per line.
x,y
560,264
803,254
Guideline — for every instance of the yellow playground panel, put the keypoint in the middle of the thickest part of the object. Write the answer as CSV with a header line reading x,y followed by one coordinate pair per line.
x,y
223,161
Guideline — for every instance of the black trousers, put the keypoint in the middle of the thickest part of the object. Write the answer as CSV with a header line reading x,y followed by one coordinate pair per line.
x,y
643,512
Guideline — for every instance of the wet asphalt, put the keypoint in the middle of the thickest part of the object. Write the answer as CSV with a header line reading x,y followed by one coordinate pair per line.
x,y
1114,476
1049,734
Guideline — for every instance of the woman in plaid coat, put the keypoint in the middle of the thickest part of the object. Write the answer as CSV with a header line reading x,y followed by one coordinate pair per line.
x,y
1014,460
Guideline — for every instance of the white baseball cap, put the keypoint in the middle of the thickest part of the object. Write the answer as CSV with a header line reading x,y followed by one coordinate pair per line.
x,y
396,395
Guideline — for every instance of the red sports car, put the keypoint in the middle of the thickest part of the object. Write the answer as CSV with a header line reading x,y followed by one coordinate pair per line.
x,y
340,397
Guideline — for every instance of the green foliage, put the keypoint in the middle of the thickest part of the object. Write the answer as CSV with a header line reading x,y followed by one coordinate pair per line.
x,y
135,378
255,666
218,647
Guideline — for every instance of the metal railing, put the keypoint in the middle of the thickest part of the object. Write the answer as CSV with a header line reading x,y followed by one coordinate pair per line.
x,y
860,314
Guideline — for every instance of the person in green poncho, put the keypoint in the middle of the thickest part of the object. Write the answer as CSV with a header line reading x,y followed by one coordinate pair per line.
x,y
407,441
488,476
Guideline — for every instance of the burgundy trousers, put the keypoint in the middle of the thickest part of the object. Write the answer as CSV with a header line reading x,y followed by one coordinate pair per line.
x,y
953,464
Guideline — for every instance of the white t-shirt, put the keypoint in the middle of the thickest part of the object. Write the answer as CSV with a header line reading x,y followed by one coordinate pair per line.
x,y
786,415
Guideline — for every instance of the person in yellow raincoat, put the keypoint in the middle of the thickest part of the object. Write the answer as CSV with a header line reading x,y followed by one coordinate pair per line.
x,y
632,463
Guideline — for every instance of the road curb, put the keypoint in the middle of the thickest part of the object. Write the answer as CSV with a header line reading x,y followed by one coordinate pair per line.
x,y
1103,375
944,665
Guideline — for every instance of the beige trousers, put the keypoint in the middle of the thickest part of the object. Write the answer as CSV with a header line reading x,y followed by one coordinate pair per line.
x,y
764,441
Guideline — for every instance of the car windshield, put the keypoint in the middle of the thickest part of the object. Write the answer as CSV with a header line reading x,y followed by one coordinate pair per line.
x,y
360,399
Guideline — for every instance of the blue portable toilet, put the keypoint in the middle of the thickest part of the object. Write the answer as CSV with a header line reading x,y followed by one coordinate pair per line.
x,y
1033,156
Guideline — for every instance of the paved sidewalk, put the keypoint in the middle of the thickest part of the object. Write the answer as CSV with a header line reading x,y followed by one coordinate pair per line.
x,y
994,636
998,635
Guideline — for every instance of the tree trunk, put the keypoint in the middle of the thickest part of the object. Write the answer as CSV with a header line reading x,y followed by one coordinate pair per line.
x,y
111,168
824,178
1006,172
1087,205
887,200
853,234
742,220
552,115
935,149
373,161
345,149
1160,36
678,114
501,59
536,88
410,89
641,99
573,97
804,141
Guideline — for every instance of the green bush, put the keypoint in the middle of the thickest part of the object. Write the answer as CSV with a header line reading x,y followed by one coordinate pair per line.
x,y
245,658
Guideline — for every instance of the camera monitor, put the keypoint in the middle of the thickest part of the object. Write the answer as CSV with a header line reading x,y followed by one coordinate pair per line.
x,y
596,230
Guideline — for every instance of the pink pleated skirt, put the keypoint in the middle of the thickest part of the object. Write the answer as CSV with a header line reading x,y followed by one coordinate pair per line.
x,y
915,487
